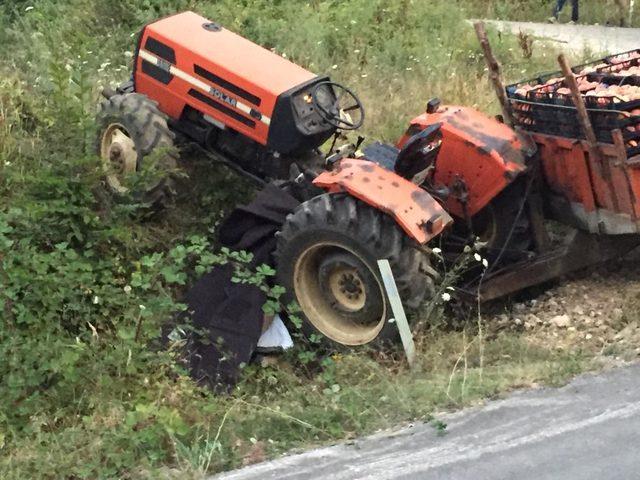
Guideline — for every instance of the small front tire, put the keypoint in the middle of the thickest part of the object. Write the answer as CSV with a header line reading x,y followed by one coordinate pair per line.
x,y
130,129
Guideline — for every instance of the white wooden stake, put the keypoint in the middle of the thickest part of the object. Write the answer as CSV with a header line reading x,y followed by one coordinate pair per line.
x,y
398,312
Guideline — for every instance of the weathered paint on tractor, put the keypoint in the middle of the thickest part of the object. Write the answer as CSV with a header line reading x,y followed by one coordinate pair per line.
x,y
417,212
478,150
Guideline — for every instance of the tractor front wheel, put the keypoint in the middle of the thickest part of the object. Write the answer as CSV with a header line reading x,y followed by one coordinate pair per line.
x,y
130,129
327,260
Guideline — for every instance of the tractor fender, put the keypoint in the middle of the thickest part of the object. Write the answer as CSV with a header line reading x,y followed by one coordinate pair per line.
x,y
419,215
483,153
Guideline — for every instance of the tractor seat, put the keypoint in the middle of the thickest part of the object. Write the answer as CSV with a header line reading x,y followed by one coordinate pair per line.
x,y
383,154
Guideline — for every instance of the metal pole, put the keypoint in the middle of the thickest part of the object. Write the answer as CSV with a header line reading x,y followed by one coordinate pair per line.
x,y
398,312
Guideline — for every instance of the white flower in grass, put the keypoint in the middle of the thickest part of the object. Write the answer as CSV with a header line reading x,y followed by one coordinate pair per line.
x,y
29,8
436,250
127,289
446,296
485,263
477,257
96,300
142,307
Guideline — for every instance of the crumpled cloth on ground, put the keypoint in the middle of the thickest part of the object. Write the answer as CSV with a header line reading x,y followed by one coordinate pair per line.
x,y
227,317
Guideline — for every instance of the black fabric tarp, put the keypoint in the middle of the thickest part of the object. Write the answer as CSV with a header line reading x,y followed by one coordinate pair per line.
x,y
227,317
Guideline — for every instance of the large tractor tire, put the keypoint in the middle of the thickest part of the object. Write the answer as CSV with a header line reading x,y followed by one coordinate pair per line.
x,y
503,229
504,225
327,256
130,128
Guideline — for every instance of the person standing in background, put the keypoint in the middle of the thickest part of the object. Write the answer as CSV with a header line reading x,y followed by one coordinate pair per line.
x,y
575,10
625,8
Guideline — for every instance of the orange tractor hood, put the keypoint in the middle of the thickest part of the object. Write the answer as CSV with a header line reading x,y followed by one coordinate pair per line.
x,y
478,150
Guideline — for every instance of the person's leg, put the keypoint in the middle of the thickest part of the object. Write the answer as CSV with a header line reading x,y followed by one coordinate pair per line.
x,y
559,6
575,10
623,8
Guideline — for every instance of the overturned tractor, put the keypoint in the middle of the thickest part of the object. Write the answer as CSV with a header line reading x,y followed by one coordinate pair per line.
x,y
455,177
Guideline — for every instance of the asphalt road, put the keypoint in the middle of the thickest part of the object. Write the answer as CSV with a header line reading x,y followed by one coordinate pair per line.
x,y
597,38
589,429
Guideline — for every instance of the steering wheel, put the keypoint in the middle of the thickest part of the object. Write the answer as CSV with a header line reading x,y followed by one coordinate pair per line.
x,y
337,105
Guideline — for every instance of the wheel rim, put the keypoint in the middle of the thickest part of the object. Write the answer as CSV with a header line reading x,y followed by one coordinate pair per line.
x,y
485,227
119,156
346,287
339,294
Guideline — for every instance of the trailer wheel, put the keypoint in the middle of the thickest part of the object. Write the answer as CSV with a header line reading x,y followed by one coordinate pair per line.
x,y
130,128
326,257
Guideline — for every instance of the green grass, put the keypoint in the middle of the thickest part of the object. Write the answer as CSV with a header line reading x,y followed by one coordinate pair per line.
x,y
273,408
80,395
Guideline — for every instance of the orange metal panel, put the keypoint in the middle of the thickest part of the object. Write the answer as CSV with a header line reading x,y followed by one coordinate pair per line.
x,y
571,172
626,202
237,60
566,169
417,212
486,154
633,174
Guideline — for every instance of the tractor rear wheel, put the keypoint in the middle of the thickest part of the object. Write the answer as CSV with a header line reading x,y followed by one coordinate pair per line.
x,y
326,254
501,226
504,225
130,128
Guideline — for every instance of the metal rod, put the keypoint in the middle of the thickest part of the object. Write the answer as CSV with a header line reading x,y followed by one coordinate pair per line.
x,y
398,312
219,158
495,72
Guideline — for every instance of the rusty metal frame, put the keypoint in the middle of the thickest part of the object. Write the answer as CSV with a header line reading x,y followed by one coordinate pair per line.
x,y
581,250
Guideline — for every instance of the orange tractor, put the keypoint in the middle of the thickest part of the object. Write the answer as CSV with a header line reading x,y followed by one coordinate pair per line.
x,y
456,177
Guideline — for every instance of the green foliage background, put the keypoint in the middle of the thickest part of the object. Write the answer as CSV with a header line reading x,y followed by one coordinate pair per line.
x,y
86,390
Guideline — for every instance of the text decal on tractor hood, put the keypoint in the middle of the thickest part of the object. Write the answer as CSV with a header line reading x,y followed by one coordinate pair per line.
x,y
222,96
200,85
